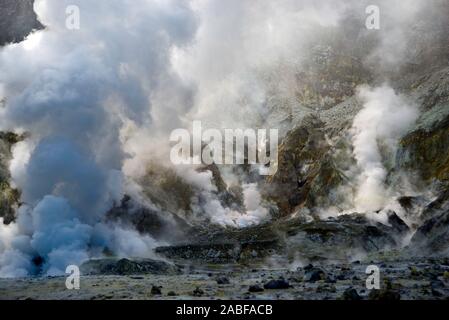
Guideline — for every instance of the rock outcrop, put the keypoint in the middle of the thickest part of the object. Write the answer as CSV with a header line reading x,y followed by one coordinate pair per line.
x,y
161,225
9,197
17,20
128,267
307,172
425,150
289,239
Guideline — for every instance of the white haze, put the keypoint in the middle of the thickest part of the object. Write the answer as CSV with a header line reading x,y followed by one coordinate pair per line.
x,y
99,104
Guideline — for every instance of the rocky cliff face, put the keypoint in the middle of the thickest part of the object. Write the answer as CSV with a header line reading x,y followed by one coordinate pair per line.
x,y
307,172
18,19
424,149
9,197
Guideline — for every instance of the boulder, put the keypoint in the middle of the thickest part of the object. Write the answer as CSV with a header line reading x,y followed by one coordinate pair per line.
x,y
351,294
255,288
223,280
276,284
198,292
314,275
156,291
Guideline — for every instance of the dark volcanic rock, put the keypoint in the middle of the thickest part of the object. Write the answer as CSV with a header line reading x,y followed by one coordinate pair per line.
x,y
306,172
314,275
439,205
128,267
214,253
334,239
219,252
308,267
9,197
342,277
437,293
330,279
223,280
426,149
387,295
198,292
277,284
351,294
412,205
161,225
17,20
397,223
433,236
255,288
156,291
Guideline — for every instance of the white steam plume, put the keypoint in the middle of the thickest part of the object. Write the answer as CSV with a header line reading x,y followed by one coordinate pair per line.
x,y
383,120
72,90
255,213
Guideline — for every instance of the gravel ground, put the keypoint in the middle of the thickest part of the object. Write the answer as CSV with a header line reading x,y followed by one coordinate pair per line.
x,y
407,280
